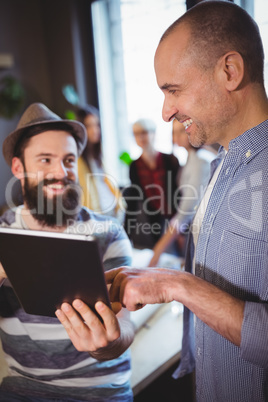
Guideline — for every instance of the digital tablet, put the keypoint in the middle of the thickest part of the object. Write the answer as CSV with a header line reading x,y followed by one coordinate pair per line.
x,y
46,269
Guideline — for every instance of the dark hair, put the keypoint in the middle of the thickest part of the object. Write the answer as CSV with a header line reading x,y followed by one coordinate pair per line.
x,y
30,132
91,151
218,27
83,112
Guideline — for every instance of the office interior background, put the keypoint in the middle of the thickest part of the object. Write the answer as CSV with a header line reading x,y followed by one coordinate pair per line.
x,y
101,50
104,51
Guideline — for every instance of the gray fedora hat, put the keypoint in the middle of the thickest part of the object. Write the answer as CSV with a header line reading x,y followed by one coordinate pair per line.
x,y
38,114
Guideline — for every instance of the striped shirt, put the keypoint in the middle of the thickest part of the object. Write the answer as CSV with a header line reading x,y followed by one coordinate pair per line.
x,y
231,253
42,360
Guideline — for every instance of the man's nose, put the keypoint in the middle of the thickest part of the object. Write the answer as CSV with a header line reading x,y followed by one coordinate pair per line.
x,y
169,110
59,170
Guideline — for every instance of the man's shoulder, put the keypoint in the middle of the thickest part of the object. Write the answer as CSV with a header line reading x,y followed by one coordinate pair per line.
x,y
114,245
90,222
87,214
8,218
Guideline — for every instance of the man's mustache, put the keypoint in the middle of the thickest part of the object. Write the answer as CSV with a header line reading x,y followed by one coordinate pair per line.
x,y
64,181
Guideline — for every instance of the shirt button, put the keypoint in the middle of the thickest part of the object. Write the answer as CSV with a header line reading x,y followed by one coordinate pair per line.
x,y
199,351
248,153
227,171
201,270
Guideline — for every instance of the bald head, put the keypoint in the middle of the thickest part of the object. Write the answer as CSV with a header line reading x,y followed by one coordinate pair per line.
x,y
218,27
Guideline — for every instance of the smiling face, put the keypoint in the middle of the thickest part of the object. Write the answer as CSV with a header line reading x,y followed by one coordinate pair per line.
x,y
194,96
48,174
179,135
52,155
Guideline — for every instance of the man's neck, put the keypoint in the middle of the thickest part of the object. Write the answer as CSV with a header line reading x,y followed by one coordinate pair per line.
x,y
253,111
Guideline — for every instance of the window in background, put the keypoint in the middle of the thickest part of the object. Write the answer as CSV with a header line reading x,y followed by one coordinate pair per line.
x,y
126,35
143,24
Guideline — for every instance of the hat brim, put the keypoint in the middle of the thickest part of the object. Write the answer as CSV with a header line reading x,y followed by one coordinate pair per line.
x,y
11,140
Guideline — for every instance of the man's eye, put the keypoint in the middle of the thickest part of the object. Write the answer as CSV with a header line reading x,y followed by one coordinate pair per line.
x,y
172,91
45,160
69,161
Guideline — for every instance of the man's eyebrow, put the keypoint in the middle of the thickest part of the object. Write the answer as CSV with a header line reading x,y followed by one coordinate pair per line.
x,y
71,154
46,154
169,86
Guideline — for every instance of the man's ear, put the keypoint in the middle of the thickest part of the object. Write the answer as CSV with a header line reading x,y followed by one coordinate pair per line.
x,y
17,168
232,70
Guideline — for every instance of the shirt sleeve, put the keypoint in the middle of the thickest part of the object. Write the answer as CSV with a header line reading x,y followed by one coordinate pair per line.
x,y
254,342
119,250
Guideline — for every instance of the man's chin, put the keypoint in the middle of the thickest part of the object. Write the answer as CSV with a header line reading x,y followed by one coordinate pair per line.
x,y
55,211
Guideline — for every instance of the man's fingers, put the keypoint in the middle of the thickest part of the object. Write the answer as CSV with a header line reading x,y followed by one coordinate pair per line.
x,y
116,289
84,327
116,307
111,274
87,314
69,319
113,279
121,291
62,317
109,320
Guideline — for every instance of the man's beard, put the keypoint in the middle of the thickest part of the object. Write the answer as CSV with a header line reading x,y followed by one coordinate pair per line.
x,y
52,211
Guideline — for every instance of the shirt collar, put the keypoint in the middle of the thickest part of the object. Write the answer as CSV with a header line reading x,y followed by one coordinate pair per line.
x,y
251,142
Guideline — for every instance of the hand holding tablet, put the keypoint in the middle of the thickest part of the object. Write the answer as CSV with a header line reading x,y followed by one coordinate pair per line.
x,y
46,269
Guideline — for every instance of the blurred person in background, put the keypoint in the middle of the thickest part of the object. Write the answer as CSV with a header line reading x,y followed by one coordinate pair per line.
x,y
152,197
192,183
100,191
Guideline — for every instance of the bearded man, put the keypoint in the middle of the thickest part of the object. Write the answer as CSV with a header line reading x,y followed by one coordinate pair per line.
x,y
65,357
